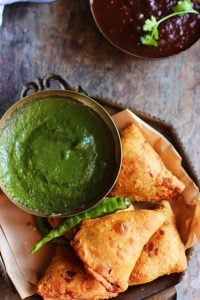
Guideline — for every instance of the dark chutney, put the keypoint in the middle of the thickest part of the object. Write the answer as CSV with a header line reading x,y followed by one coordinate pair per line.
x,y
121,21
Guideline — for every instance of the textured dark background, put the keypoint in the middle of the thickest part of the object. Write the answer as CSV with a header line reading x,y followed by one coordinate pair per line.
x,y
61,37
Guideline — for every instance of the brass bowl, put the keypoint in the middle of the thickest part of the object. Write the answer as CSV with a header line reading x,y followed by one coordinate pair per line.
x,y
105,117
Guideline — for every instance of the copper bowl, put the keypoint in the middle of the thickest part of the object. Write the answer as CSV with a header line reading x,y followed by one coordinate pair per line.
x,y
105,117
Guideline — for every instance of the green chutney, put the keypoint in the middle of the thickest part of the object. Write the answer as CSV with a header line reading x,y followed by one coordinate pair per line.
x,y
56,155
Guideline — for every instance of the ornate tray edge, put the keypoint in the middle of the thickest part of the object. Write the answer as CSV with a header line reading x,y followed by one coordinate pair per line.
x,y
173,137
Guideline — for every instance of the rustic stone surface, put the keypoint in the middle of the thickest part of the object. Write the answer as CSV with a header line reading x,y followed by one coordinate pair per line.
x,y
62,38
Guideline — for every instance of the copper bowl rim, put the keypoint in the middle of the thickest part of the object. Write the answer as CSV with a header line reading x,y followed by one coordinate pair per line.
x,y
105,117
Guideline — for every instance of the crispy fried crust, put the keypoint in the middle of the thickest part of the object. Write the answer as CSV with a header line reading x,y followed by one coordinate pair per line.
x,y
66,279
162,255
110,246
143,175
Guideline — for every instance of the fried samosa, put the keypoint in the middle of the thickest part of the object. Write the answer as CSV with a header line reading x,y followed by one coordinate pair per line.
x,y
163,254
143,175
66,279
110,246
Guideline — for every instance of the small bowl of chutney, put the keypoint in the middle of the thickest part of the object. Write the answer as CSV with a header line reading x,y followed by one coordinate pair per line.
x,y
60,153
148,29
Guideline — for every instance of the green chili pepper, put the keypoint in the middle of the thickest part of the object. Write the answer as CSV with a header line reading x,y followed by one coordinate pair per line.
x,y
43,225
106,206
44,228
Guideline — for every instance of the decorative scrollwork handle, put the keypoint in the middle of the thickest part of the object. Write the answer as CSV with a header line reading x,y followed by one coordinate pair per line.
x,y
41,84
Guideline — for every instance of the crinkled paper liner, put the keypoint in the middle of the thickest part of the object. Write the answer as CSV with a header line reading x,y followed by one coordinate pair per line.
x,y
18,232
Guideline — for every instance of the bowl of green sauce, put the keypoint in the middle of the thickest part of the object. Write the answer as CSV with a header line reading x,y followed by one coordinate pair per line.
x,y
60,153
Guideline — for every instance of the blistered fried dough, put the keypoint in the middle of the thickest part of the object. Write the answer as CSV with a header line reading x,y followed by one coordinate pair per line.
x,y
163,254
143,175
66,279
110,246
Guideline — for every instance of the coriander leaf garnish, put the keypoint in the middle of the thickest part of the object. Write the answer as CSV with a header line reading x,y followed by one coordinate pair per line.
x,y
184,6
151,25
147,39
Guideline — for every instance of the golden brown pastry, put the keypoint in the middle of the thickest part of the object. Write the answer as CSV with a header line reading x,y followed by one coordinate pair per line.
x,y
66,279
110,246
143,175
163,254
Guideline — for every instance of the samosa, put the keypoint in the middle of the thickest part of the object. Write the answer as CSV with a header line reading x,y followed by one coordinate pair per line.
x,y
110,246
143,175
163,254
67,279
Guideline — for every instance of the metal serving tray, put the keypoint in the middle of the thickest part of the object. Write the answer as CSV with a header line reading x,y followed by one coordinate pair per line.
x,y
163,287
